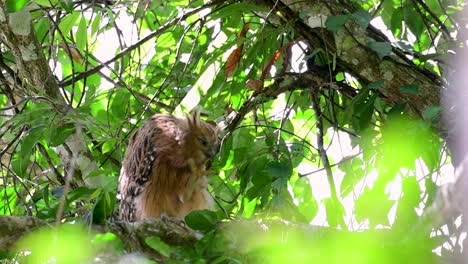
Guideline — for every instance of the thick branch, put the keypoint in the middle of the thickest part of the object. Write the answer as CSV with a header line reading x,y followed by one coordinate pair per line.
x,y
323,153
350,44
288,82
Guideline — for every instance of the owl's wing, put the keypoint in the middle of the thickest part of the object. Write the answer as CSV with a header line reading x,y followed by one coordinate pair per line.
x,y
137,166
158,138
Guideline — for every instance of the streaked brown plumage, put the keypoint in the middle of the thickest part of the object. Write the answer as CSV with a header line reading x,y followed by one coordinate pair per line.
x,y
165,167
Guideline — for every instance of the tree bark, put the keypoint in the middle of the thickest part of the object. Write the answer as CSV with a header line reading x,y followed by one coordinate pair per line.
x,y
32,77
349,47
17,33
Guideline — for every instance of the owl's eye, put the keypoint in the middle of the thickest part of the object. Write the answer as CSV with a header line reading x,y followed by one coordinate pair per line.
x,y
203,141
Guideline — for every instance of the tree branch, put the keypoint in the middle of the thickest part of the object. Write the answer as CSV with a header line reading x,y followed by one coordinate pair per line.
x,y
288,82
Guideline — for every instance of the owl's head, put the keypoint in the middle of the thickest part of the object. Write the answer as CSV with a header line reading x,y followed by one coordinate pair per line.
x,y
202,140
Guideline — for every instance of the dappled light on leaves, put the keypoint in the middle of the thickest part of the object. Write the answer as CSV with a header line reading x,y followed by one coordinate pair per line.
x,y
334,147
403,141
285,242
63,244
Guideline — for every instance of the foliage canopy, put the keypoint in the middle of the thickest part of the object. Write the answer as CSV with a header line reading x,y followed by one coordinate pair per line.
x,y
328,120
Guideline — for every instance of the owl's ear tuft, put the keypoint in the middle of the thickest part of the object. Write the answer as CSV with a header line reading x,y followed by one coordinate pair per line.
x,y
193,119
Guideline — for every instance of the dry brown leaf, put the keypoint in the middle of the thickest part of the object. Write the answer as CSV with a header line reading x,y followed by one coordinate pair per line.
x,y
233,60
244,30
235,56
72,52
255,85
272,61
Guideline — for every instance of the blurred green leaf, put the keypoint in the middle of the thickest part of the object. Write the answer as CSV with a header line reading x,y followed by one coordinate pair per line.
x,y
202,220
353,174
335,212
362,18
278,169
160,246
67,23
104,207
15,5
333,23
374,205
56,136
307,206
237,9
47,3
96,23
8,200
67,5
60,243
108,240
375,85
81,34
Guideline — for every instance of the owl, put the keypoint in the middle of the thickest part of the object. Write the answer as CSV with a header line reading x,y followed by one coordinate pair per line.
x,y
164,172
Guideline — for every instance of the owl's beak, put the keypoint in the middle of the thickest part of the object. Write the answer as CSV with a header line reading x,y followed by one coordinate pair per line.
x,y
211,154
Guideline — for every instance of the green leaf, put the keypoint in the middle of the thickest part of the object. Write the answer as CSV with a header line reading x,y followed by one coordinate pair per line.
x,y
119,103
104,207
279,184
46,3
277,169
202,220
397,109
333,23
307,206
80,193
396,21
414,21
406,214
56,136
381,48
15,5
248,207
410,88
334,212
362,18
160,246
96,23
366,112
29,142
45,195
375,85
109,240
67,23
21,160
237,9
7,200
374,205
81,34
353,174
67,5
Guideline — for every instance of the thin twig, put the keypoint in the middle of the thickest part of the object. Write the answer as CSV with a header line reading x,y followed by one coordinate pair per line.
x,y
160,30
46,156
69,174
322,152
